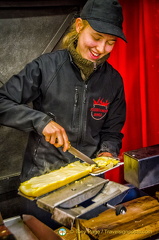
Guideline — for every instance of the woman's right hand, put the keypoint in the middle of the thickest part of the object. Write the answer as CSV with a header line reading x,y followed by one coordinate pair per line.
x,y
56,135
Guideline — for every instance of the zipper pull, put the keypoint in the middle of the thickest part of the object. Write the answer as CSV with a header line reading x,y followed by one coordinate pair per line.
x,y
76,97
95,65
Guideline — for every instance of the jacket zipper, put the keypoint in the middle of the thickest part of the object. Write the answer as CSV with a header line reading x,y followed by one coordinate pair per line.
x,y
76,96
85,94
83,117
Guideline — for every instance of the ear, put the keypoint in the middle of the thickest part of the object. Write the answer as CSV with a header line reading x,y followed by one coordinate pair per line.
x,y
79,25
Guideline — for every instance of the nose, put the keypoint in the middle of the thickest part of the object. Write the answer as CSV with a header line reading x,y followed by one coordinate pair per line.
x,y
101,48
104,47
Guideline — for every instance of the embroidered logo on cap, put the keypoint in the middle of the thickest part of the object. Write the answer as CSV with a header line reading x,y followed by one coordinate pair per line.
x,y
100,109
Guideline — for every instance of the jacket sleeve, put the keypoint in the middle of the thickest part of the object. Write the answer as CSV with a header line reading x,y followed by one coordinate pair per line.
x,y
111,136
15,96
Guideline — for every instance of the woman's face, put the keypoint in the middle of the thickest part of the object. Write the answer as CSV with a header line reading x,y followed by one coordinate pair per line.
x,y
93,45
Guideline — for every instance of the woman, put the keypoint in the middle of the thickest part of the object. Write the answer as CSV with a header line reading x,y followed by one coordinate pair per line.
x,y
77,96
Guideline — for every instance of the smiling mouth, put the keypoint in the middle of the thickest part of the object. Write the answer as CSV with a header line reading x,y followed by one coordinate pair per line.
x,y
95,54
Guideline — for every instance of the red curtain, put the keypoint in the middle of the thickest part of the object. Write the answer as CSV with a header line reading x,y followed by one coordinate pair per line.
x,y
138,63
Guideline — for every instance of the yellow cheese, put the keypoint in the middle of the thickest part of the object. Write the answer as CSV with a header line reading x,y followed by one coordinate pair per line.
x,y
48,182
106,162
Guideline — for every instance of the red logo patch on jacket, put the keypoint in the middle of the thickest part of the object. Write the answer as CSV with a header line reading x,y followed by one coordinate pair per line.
x,y
99,109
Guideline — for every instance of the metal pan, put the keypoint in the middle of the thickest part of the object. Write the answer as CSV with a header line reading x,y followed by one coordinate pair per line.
x,y
99,171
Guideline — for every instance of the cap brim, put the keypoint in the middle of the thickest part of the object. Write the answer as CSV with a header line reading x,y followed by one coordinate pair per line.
x,y
107,28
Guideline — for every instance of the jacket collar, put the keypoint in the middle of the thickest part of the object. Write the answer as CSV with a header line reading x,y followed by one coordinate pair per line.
x,y
86,67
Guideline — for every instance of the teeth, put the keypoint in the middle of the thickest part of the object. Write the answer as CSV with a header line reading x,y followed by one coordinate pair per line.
x,y
95,54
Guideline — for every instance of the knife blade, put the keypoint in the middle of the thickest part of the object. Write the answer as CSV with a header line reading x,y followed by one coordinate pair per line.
x,y
81,155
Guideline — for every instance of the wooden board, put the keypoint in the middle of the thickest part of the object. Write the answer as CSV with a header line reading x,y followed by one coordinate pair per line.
x,y
140,221
72,234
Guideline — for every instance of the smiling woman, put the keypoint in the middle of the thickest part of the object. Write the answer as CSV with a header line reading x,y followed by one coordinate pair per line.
x,y
77,96
91,44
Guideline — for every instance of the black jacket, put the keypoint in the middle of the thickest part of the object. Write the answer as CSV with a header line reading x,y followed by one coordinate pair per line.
x,y
92,112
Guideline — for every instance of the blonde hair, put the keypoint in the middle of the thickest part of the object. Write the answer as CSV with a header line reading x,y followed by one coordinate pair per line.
x,y
72,34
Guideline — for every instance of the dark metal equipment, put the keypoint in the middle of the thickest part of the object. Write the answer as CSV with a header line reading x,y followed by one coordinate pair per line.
x,y
82,199
141,166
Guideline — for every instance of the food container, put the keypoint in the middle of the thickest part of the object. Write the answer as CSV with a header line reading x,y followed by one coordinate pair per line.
x,y
141,166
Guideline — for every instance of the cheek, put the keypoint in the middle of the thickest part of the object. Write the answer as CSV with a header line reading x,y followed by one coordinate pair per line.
x,y
87,42
109,48
92,44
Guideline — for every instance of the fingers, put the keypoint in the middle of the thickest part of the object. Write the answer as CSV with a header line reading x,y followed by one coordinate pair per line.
x,y
56,135
105,154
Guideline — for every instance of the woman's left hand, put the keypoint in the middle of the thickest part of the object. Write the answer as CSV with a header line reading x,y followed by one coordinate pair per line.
x,y
105,154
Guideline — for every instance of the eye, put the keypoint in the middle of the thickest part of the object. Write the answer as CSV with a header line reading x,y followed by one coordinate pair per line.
x,y
111,43
96,38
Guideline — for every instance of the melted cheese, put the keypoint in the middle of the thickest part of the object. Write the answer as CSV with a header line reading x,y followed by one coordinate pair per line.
x,y
48,182
106,161
45,183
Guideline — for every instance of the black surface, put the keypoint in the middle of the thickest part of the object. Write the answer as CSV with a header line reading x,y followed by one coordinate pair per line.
x,y
40,3
144,153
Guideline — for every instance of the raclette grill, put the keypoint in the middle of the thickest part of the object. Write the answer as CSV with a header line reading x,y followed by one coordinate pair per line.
x,y
84,199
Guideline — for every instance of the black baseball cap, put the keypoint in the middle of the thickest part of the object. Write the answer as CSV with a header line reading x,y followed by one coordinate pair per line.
x,y
104,16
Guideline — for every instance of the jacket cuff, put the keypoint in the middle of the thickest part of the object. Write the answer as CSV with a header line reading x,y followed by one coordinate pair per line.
x,y
108,147
43,123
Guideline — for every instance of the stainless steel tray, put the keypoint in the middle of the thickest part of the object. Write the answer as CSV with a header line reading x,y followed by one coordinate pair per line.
x,y
104,170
